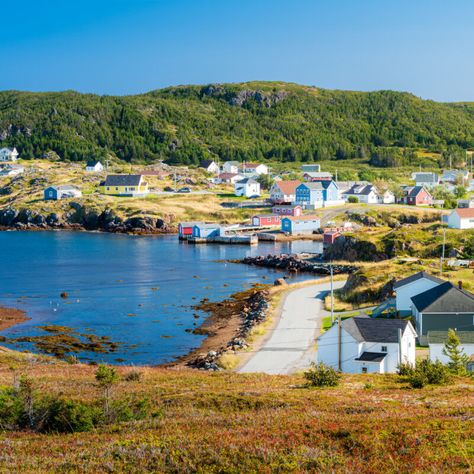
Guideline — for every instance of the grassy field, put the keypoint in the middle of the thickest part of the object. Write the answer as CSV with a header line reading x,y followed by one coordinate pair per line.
x,y
226,422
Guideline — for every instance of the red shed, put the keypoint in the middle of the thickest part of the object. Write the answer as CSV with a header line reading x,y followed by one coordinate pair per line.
x,y
330,237
185,229
266,220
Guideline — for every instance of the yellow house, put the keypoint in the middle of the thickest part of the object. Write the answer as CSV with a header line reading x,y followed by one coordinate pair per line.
x,y
124,185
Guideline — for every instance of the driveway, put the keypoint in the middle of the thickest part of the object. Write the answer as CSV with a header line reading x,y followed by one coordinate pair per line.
x,y
290,346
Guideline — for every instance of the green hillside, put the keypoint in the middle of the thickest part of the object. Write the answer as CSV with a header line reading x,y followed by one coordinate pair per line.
x,y
249,121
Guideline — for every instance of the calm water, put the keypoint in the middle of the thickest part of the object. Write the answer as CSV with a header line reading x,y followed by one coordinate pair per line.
x,y
136,290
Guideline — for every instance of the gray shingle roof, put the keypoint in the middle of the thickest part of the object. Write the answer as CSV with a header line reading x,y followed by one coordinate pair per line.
x,y
416,276
440,337
413,191
363,190
374,330
122,180
205,163
372,356
246,180
444,298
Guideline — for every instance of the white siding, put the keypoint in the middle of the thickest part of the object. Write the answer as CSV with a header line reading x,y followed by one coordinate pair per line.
x,y
436,351
405,293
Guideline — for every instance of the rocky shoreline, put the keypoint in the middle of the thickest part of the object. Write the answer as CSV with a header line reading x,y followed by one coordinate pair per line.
x,y
295,264
11,316
82,218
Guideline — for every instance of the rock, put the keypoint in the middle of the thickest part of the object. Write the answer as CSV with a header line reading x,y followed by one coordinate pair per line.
x,y
6,190
53,220
280,282
8,216
64,295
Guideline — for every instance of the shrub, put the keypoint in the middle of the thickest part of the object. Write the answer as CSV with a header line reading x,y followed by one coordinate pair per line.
x,y
405,369
133,376
321,375
68,416
428,372
353,199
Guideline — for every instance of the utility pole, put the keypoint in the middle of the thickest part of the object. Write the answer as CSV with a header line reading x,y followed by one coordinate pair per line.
x,y
442,253
339,345
332,294
175,182
336,176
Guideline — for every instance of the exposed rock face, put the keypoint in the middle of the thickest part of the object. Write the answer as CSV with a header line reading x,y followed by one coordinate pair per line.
x,y
351,249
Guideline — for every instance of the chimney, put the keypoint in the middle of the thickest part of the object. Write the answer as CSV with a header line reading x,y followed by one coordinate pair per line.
x,y
460,284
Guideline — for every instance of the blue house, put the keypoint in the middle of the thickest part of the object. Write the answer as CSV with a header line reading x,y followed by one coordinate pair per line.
x,y
316,193
300,224
206,230
54,193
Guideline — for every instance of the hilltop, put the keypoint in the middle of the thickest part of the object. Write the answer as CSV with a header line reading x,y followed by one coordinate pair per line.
x,y
274,121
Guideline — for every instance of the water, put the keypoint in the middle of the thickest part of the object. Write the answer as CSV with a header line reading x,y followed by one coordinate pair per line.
x,y
136,290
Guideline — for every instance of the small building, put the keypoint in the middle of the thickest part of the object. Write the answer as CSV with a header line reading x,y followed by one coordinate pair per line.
x,y
443,307
247,187
437,339
209,166
8,154
455,176
11,170
411,286
94,166
427,179
284,192
465,203
288,210
461,218
229,178
368,345
253,168
330,237
266,220
317,193
314,168
55,193
300,224
124,185
185,229
231,167
364,193
206,230
416,196
317,176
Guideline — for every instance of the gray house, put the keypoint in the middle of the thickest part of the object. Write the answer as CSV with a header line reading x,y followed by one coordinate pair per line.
x,y
443,307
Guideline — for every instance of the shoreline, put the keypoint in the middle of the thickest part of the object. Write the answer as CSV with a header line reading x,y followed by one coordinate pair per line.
x,y
11,317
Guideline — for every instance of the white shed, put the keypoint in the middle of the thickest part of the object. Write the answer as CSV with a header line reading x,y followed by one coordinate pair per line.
x,y
437,339
461,218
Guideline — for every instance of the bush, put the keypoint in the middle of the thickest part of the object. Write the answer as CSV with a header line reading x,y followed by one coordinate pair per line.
x,y
428,372
405,369
321,375
68,416
353,199
133,376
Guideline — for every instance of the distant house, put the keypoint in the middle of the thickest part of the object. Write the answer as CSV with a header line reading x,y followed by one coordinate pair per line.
x,y
266,220
411,286
300,224
462,218
8,154
11,170
124,185
284,191
426,179
317,176
437,339
416,196
364,193
231,167
455,176
209,166
314,168
94,166
317,193
247,187
443,307
206,230
185,229
368,345
253,168
229,178
288,210
465,203
55,193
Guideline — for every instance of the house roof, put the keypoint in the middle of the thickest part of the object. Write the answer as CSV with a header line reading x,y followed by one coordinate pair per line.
x,y
302,218
315,185
246,181
251,165
465,212
426,177
227,175
318,174
361,189
205,163
372,356
415,277
288,187
122,180
287,206
267,215
363,328
444,298
232,163
207,226
413,191
92,163
8,149
440,337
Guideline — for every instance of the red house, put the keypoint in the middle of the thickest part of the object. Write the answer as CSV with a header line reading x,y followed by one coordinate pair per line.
x,y
416,196
288,210
185,229
264,220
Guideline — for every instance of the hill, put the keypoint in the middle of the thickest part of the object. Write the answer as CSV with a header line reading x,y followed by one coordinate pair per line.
x,y
248,121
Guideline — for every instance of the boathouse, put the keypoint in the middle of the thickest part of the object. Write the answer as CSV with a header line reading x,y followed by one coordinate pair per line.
x,y
270,220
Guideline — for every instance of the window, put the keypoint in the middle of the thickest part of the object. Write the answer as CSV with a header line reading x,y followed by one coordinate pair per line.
x,y
384,348
364,370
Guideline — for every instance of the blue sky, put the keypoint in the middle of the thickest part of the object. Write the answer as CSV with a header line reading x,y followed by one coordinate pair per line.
x,y
132,46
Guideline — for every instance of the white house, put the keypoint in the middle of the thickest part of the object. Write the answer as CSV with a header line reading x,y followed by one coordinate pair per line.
x,y
465,203
427,179
11,170
94,166
284,192
253,168
229,178
437,339
411,286
365,193
247,187
461,218
387,197
231,167
368,345
314,168
55,193
455,176
8,154
210,166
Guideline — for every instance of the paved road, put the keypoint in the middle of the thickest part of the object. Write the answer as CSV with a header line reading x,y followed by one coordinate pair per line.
x,y
290,345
